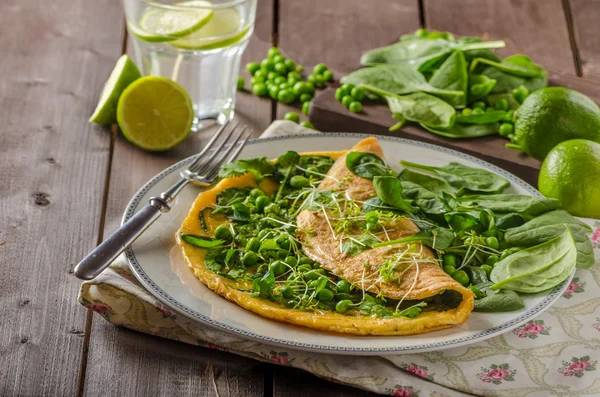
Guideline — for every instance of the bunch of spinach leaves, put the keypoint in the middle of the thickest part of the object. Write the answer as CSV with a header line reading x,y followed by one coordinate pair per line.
x,y
426,76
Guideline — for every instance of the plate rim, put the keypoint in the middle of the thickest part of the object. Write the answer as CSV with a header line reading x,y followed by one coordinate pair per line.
x,y
165,298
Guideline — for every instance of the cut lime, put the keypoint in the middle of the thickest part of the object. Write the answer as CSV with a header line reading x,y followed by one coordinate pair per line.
x,y
155,113
124,73
224,29
170,23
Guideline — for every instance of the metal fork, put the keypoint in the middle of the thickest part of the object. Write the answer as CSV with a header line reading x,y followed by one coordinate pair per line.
x,y
203,172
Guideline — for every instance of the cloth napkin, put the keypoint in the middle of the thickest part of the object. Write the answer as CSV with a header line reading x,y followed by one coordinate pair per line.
x,y
557,353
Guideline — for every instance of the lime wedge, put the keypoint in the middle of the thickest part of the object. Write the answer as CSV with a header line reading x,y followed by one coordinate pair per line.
x,y
124,73
223,29
155,113
166,24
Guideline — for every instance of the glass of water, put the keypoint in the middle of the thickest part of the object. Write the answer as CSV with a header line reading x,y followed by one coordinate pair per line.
x,y
196,43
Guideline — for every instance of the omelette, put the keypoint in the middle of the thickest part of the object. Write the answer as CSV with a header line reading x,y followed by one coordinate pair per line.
x,y
312,264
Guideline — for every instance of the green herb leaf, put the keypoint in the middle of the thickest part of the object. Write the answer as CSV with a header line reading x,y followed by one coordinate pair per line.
x,y
201,241
241,213
538,268
367,165
286,168
214,260
497,301
438,238
355,246
389,190
258,166
412,311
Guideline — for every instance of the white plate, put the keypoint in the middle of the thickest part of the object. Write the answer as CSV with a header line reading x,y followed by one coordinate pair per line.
x,y
158,264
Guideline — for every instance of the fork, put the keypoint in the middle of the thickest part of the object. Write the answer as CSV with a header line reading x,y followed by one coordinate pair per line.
x,y
203,172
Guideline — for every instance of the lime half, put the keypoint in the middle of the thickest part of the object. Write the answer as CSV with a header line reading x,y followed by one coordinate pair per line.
x,y
223,29
124,73
166,24
155,113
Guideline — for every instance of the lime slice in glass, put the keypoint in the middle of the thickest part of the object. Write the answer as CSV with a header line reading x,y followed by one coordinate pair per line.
x,y
171,22
124,73
155,113
223,29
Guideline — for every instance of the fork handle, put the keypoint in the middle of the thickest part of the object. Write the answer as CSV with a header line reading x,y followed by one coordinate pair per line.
x,y
104,254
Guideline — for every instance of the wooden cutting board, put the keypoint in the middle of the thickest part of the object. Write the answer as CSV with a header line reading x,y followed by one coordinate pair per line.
x,y
330,115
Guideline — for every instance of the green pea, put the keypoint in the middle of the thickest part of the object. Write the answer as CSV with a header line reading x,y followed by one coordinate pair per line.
x,y
278,268
340,93
278,58
274,91
304,268
347,100
305,107
311,79
286,96
291,260
272,209
267,65
319,81
305,260
505,129
325,295
520,93
421,32
282,203
256,80
348,87
327,75
299,68
271,75
343,286
305,98
287,292
261,202
479,105
292,116
462,277
261,74
355,107
222,232
290,65
240,83
272,52
284,242
312,275
260,89
478,111
449,260
490,109
492,260
284,86
343,306
256,192
320,68
467,111
279,80
501,104
358,94
450,270
301,88
253,245
492,242
252,67
280,68
241,240
307,124
487,269
299,181
250,259
508,252
294,76
512,137
291,303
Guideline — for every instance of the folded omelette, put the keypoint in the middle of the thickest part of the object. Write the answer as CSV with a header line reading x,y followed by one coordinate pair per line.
x,y
404,282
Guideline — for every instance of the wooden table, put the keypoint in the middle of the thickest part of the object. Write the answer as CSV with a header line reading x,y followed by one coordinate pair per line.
x,y
64,182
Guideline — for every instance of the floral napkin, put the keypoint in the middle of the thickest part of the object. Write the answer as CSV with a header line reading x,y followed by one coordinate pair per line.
x,y
555,354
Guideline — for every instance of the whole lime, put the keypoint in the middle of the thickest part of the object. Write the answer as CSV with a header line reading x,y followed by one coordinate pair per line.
x,y
553,115
571,174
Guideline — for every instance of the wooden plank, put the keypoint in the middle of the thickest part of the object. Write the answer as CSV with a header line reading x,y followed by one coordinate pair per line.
x,y
155,366
53,163
291,382
340,31
585,15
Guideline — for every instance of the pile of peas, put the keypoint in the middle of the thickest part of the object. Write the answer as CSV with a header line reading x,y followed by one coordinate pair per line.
x,y
351,97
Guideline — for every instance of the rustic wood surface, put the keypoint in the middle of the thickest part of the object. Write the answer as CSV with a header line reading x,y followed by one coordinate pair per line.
x,y
62,186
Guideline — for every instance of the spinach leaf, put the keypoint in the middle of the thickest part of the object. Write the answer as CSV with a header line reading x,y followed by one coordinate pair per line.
x,y
537,268
491,117
241,213
466,179
497,301
461,221
201,241
551,225
427,201
520,203
418,107
477,275
452,76
389,190
508,221
434,185
395,79
506,82
258,166
518,65
367,165
355,246
480,86
460,131
438,238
